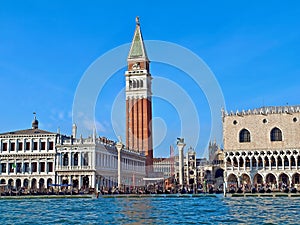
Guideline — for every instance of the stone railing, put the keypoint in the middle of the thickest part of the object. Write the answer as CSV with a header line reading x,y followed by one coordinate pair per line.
x,y
72,168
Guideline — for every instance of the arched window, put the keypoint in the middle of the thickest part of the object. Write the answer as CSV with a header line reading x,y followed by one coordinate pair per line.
x,y
276,134
241,162
273,161
66,159
134,83
244,136
279,161
267,163
76,159
141,83
260,162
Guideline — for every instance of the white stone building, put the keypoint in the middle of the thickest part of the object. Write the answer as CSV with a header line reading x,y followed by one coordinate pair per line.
x,y
165,166
262,147
93,163
35,159
27,158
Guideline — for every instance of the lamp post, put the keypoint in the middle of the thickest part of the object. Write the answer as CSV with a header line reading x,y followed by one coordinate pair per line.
x,y
119,147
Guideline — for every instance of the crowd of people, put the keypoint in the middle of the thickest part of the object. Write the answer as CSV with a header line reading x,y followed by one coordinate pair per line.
x,y
264,188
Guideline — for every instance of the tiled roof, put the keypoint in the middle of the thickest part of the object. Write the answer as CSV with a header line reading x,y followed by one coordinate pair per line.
x,y
27,132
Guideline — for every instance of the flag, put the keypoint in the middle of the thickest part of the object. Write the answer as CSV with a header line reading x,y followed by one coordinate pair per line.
x,y
13,166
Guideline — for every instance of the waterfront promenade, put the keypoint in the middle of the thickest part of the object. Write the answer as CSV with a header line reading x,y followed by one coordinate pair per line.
x,y
274,194
202,195
45,196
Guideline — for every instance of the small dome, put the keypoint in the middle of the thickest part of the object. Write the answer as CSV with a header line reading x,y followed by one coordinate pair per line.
x,y
35,123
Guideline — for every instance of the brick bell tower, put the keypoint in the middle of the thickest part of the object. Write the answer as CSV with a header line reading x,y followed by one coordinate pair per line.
x,y
138,99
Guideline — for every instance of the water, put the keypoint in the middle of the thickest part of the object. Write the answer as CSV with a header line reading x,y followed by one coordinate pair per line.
x,y
203,210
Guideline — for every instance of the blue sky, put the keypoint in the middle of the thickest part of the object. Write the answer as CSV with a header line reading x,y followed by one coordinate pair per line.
x,y
252,47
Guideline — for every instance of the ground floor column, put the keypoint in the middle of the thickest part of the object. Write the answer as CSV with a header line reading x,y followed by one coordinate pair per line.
x,y
22,167
70,180
93,181
79,181
29,183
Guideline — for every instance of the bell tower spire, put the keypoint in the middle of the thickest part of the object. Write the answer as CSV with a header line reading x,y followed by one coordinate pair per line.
x,y
139,98
137,49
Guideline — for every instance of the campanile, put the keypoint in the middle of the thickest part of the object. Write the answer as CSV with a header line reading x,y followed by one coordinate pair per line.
x,y
138,99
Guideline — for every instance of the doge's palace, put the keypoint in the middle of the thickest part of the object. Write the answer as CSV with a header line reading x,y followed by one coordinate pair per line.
x,y
262,147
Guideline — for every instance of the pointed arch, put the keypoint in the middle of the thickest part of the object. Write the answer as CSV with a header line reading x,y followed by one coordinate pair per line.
x,y
219,173
241,162
271,179
258,179
279,161
245,179
254,162
293,161
232,179
284,179
267,162
244,136
296,178
247,162
259,162
286,161
235,162
276,134
273,161
228,161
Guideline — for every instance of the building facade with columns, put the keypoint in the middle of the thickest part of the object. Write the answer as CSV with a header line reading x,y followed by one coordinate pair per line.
x,y
262,147
35,159
93,163
165,166
27,158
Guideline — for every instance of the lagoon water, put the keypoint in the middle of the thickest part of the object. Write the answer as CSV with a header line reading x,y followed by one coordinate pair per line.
x,y
201,210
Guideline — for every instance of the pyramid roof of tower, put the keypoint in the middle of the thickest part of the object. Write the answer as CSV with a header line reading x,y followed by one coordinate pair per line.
x,y
137,49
